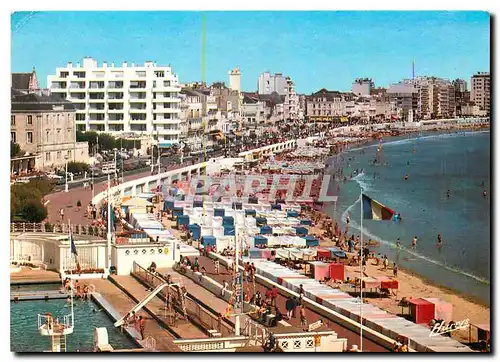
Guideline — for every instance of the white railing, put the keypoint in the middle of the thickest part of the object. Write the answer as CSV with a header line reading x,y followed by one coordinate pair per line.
x,y
117,191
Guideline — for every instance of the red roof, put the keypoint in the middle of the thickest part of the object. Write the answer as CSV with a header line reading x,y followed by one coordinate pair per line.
x,y
419,301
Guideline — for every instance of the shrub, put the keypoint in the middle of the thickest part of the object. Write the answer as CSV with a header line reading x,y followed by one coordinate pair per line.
x,y
33,211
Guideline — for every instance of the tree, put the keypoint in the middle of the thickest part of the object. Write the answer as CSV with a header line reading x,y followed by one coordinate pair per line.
x,y
15,149
34,211
78,167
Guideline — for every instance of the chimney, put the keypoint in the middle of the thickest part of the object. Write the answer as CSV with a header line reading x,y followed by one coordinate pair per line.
x,y
78,65
133,64
124,64
113,65
70,65
105,64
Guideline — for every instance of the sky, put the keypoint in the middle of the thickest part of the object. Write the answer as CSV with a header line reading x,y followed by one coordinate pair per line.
x,y
317,49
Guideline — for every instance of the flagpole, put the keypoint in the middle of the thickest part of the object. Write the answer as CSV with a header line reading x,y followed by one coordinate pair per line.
x,y
109,225
361,278
71,281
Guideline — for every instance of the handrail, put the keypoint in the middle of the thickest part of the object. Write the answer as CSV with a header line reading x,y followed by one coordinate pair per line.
x,y
209,319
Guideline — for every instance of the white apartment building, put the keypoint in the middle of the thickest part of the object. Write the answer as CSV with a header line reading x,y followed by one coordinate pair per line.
x,y
143,99
268,83
362,86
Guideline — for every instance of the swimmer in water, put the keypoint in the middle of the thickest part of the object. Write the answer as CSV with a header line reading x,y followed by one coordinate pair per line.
x,y
414,243
408,162
485,194
448,194
406,177
440,241
398,243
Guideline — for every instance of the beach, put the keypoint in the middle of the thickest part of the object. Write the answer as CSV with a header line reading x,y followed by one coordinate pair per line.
x,y
413,283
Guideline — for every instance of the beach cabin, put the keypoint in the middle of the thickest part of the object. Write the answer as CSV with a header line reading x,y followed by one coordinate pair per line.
x,y
208,241
421,310
259,240
337,271
182,220
195,230
301,231
312,241
442,309
320,270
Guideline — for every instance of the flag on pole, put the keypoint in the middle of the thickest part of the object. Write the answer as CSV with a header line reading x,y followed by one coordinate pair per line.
x,y
73,246
374,210
73,250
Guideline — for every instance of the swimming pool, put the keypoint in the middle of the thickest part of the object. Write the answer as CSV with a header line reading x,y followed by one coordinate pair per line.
x,y
24,335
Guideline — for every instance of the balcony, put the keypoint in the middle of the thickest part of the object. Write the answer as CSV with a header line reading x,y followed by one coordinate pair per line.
x,y
166,110
77,86
166,100
164,88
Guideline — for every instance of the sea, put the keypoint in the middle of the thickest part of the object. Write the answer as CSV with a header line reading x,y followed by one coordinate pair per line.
x,y
434,163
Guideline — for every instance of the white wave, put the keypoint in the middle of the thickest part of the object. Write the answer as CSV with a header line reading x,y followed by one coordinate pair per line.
x,y
412,252
419,138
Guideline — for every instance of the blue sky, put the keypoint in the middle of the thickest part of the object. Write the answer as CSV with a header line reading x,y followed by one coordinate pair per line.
x,y
316,49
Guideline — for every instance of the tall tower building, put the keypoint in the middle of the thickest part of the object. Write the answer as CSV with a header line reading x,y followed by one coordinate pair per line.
x,y
480,92
235,79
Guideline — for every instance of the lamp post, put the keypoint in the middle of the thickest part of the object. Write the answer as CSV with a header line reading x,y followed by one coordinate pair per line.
x,y
66,173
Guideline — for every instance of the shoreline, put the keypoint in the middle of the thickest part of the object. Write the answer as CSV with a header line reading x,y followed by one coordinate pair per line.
x,y
412,284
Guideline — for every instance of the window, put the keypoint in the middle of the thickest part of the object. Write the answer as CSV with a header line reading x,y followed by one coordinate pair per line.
x,y
29,137
47,136
30,120
47,156
69,154
13,137
58,155
12,120
297,343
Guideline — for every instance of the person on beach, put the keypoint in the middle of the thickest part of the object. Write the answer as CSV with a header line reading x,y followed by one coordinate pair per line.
x,y
398,243
395,270
62,214
414,243
385,262
440,241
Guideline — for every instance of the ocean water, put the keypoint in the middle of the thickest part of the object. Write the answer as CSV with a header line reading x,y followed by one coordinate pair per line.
x,y
24,335
458,162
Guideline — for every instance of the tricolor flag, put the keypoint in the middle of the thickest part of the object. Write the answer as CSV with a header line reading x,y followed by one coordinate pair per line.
x,y
374,210
73,246
73,250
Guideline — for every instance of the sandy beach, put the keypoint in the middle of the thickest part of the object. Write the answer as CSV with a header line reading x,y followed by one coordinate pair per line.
x,y
413,286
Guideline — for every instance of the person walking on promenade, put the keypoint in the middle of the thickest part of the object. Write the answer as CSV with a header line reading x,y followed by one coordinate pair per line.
x,y
414,243
274,296
224,288
289,305
216,266
142,325
303,319
395,270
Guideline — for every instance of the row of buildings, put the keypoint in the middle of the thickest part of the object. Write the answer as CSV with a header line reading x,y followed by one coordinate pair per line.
x,y
148,100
